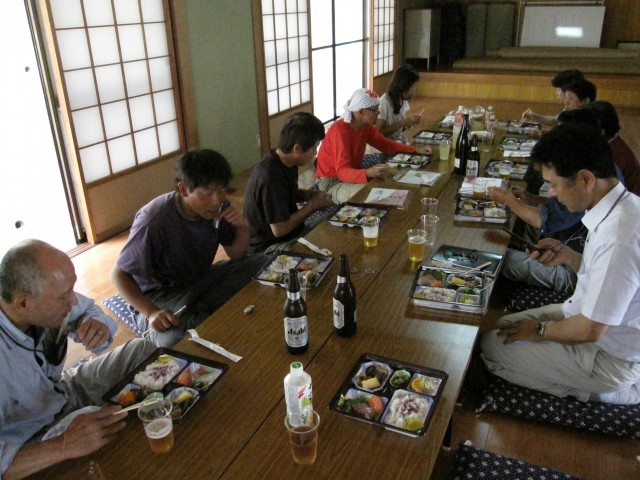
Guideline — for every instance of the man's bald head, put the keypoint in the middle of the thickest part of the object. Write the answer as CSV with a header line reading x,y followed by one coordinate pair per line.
x,y
27,266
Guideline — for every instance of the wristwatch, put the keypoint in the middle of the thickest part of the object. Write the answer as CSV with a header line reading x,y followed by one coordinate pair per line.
x,y
540,328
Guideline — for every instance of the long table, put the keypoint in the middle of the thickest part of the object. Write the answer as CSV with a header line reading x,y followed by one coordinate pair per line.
x,y
237,431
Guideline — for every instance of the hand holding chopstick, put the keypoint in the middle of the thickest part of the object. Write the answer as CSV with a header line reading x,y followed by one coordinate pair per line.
x,y
144,403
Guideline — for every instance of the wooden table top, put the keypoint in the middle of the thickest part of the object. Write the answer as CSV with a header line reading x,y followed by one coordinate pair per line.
x,y
237,431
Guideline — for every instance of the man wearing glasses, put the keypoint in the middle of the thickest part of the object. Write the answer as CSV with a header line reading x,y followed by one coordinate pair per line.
x,y
340,156
165,269
588,347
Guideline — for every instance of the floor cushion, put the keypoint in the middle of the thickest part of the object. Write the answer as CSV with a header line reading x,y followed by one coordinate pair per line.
x,y
472,463
122,310
621,421
520,296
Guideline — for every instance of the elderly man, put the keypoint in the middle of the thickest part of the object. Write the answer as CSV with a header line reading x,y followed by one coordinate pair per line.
x,y
37,307
588,347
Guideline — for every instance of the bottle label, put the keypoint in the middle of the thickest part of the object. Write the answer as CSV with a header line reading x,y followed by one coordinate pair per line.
x,y
338,313
296,333
299,398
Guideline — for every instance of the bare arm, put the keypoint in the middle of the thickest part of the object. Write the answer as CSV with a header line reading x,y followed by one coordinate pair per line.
x,y
240,245
86,434
387,129
553,252
315,200
569,331
528,213
159,319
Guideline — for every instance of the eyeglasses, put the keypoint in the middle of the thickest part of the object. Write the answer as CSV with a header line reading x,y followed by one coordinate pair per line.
x,y
374,110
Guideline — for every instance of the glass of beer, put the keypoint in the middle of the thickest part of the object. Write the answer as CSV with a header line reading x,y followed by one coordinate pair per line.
x,y
417,240
445,148
479,188
158,425
303,440
370,228
504,169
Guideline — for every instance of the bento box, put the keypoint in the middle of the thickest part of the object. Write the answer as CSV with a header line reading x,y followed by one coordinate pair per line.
x,y
429,136
450,289
470,210
396,395
179,377
413,160
354,215
515,143
276,270
462,258
517,172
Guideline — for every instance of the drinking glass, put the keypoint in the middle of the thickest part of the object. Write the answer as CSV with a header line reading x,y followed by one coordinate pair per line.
x,y
504,169
158,425
417,240
370,229
445,148
429,206
429,225
303,440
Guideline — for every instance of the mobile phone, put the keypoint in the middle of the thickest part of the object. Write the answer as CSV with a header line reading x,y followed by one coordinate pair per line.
x,y
529,246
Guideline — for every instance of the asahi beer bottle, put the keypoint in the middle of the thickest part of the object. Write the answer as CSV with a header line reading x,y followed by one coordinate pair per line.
x,y
345,321
296,329
473,162
462,148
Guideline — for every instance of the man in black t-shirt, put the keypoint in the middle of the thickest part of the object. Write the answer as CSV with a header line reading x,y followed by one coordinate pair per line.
x,y
272,196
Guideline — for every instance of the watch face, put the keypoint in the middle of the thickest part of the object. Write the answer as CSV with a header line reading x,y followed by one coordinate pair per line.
x,y
540,329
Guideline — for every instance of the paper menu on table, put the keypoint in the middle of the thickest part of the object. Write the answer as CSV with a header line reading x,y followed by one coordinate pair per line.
x,y
417,177
388,196
467,184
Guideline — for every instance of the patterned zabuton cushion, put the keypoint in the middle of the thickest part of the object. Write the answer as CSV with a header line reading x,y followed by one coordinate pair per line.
x,y
122,310
521,296
472,463
615,420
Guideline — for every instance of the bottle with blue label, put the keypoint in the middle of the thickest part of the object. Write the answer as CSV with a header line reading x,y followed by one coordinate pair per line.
x,y
298,395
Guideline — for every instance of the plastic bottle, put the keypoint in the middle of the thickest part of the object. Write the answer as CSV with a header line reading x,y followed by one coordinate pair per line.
x,y
299,395
457,125
296,328
462,148
473,161
345,322
490,119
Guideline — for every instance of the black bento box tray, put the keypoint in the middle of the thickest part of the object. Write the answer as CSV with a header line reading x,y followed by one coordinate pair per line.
x,y
386,391
305,258
172,385
356,221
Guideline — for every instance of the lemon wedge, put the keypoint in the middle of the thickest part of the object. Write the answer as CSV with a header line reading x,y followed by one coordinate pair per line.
x,y
413,424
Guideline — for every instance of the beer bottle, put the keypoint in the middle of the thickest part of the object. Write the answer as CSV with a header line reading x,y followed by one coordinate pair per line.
x,y
296,329
473,162
462,148
345,321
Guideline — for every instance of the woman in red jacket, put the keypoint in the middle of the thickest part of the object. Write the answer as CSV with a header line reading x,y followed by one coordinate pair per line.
x,y
341,153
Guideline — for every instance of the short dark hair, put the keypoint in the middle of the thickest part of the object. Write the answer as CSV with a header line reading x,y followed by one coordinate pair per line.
x,y
571,147
302,129
565,77
581,116
201,168
583,89
404,77
20,271
606,114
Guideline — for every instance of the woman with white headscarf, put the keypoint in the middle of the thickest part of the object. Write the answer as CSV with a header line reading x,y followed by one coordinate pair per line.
x,y
341,153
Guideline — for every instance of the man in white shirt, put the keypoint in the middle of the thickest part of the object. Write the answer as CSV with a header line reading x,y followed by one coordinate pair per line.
x,y
588,347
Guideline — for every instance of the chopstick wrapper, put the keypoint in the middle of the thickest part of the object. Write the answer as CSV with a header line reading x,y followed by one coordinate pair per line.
x,y
217,348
